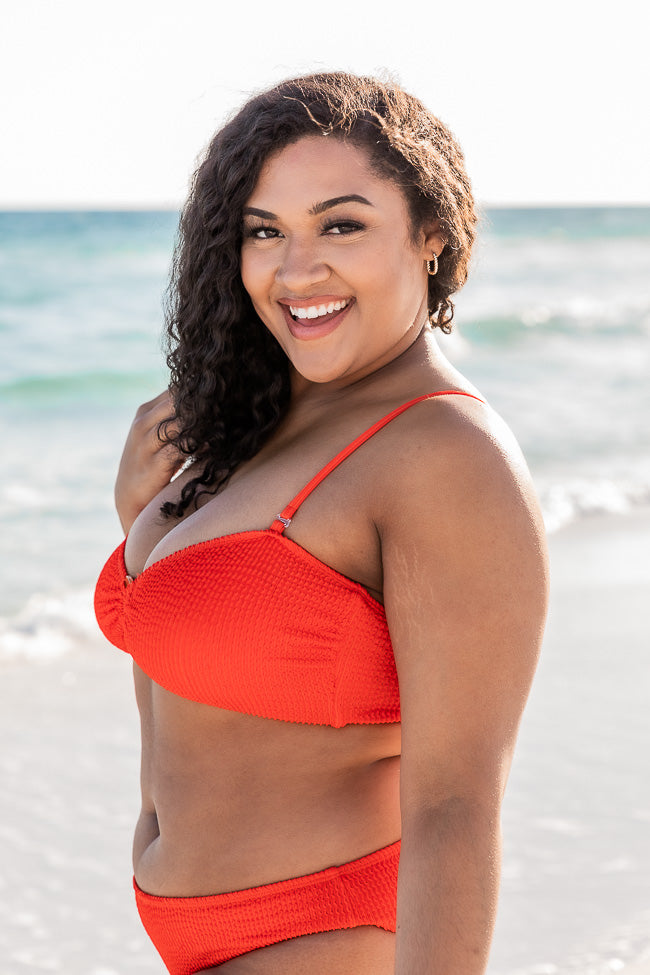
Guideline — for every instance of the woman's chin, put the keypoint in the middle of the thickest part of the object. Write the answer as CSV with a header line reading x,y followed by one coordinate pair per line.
x,y
318,373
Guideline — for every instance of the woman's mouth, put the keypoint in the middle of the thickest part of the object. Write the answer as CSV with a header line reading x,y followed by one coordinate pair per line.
x,y
315,320
317,311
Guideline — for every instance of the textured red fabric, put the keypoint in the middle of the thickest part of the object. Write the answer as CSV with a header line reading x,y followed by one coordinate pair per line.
x,y
254,623
194,933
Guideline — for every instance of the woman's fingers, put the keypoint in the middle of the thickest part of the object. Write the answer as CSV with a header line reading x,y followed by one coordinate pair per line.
x,y
149,415
147,463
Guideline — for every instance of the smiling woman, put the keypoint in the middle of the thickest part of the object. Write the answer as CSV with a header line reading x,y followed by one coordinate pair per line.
x,y
354,250
335,608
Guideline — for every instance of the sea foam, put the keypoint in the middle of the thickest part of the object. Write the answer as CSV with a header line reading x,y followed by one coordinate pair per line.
x,y
49,625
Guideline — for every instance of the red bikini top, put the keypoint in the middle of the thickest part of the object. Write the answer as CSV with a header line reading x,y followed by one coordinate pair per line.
x,y
252,622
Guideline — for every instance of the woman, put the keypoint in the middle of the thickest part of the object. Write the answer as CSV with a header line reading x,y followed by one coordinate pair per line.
x,y
353,539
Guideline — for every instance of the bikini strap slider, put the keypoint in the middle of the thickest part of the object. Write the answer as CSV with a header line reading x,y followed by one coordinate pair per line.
x,y
285,521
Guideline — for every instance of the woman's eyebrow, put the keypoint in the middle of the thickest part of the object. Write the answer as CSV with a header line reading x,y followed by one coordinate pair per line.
x,y
334,202
255,212
315,210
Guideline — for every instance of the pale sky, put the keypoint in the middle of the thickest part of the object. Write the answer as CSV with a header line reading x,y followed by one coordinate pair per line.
x,y
109,103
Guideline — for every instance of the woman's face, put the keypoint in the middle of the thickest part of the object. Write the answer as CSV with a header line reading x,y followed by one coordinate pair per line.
x,y
328,260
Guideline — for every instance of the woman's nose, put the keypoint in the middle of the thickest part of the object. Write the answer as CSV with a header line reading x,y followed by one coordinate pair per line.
x,y
301,266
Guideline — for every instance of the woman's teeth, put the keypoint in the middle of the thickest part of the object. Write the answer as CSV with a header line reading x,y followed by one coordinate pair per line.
x,y
316,311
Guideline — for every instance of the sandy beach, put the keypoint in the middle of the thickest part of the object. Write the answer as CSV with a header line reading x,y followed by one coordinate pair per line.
x,y
69,786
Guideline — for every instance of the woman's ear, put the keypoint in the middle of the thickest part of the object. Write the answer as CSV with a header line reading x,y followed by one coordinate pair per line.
x,y
433,240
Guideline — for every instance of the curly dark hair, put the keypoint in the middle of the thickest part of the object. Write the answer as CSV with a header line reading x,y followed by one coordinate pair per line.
x,y
229,376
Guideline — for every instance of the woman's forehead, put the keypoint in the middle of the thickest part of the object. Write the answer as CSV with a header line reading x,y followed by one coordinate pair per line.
x,y
316,169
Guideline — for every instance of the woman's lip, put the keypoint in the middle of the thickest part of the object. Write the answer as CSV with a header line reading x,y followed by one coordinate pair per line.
x,y
315,328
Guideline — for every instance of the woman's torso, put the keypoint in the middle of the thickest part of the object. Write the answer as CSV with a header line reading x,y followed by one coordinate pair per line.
x,y
232,800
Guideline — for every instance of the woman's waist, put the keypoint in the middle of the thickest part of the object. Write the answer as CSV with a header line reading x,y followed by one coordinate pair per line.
x,y
196,758
211,840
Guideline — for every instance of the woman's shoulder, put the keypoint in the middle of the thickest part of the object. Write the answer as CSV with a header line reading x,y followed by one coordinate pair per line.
x,y
437,424
452,455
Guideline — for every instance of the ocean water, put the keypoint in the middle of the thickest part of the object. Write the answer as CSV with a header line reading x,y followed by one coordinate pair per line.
x,y
553,327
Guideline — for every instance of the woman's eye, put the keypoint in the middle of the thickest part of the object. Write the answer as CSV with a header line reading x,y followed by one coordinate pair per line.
x,y
262,233
343,227
337,228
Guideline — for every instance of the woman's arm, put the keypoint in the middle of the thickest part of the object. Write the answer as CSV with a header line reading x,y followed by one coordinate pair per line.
x,y
147,464
465,584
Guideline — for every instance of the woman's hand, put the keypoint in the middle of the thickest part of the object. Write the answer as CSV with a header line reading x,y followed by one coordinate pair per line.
x,y
147,465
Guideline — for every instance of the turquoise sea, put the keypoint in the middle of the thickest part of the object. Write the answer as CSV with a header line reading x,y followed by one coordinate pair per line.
x,y
553,327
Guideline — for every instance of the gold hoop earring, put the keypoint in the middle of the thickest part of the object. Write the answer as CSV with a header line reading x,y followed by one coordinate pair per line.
x,y
434,261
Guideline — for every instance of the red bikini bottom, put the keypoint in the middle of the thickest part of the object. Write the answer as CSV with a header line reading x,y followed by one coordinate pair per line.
x,y
194,933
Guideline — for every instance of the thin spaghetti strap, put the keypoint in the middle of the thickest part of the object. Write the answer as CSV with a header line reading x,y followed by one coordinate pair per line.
x,y
283,520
